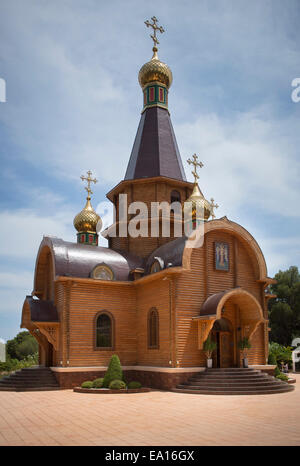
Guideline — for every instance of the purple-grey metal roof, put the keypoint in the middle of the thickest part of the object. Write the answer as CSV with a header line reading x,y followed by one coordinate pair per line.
x,y
42,311
155,151
79,260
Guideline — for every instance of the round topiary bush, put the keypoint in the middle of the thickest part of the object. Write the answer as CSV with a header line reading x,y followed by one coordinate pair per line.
x,y
87,384
134,385
114,371
117,385
98,383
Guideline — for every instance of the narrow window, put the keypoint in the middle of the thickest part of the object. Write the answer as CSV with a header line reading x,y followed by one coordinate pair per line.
x,y
153,339
161,94
151,94
175,196
104,331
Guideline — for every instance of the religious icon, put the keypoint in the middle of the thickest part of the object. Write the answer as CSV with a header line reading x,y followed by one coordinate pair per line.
x,y
222,256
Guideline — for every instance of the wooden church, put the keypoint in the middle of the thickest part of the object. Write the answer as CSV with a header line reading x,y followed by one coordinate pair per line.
x,y
151,300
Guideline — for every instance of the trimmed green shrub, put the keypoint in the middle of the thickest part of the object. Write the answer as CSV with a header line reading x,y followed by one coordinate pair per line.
x,y
276,371
117,385
87,384
114,371
282,377
97,383
134,385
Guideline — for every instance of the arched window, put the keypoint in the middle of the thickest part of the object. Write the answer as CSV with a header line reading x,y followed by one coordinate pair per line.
x,y
104,331
175,196
153,329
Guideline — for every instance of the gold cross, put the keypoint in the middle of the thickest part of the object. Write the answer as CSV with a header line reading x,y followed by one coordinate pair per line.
x,y
213,206
155,28
196,164
89,180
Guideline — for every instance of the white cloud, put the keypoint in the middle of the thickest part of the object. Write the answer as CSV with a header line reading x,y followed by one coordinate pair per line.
x,y
25,229
245,161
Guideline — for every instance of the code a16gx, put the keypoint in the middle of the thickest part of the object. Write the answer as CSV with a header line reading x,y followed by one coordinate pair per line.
x,y
171,455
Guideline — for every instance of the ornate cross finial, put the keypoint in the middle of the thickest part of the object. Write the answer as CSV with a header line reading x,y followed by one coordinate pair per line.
x,y
89,180
155,28
213,206
196,164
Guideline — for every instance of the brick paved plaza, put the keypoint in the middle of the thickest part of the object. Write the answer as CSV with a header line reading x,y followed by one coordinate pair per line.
x,y
155,418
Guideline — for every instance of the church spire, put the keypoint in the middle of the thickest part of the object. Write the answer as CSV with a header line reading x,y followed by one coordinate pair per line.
x,y
155,151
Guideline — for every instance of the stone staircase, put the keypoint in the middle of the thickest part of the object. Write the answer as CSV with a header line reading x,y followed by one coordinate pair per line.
x,y
30,379
233,381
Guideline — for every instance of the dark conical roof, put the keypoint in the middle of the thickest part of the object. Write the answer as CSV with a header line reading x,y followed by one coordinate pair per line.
x,y
155,151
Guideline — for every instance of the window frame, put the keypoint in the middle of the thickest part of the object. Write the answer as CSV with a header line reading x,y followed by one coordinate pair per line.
x,y
112,332
151,312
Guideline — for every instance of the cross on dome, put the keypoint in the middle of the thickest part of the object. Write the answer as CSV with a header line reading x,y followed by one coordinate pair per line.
x,y
196,164
155,28
213,206
89,180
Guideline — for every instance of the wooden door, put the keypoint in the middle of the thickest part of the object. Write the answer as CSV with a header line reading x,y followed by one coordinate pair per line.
x,y
226,353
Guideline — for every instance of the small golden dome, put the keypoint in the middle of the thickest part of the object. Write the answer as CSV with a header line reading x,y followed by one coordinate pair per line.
x,y
87,219
155,70
198,200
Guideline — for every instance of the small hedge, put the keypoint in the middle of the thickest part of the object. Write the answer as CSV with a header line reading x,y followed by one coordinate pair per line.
x,y
98,383
87,384
134,385
117,385
282,377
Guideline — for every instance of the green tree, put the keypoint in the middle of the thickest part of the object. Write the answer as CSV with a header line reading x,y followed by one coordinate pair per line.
x,y
23,345
284,311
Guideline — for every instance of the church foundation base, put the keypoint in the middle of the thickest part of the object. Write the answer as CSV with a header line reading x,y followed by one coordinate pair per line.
x,y
153,377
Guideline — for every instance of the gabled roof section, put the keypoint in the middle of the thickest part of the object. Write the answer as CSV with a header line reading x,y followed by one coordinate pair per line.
x,y
155,151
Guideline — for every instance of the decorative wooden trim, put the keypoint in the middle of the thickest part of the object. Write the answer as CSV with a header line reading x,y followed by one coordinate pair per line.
x,y
51,331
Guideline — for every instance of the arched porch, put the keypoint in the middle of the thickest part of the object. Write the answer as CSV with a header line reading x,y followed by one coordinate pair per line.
x,y
227,317
41,320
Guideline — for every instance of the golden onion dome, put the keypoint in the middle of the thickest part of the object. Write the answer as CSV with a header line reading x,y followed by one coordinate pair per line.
x,y
198,201
155,70
87,219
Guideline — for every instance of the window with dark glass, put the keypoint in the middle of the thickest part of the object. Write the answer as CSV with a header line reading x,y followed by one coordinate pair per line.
x,y
104,331
153,341
175,196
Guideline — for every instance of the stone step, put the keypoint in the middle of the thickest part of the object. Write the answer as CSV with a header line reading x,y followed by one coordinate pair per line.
x,y
232,372
229,377
30,379
28,389
231,369
261,391
230,384
270,386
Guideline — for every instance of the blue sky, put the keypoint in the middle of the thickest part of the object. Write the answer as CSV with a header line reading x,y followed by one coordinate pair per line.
x,y
74,102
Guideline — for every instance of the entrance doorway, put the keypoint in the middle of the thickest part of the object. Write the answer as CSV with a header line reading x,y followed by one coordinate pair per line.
x,y
222,334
